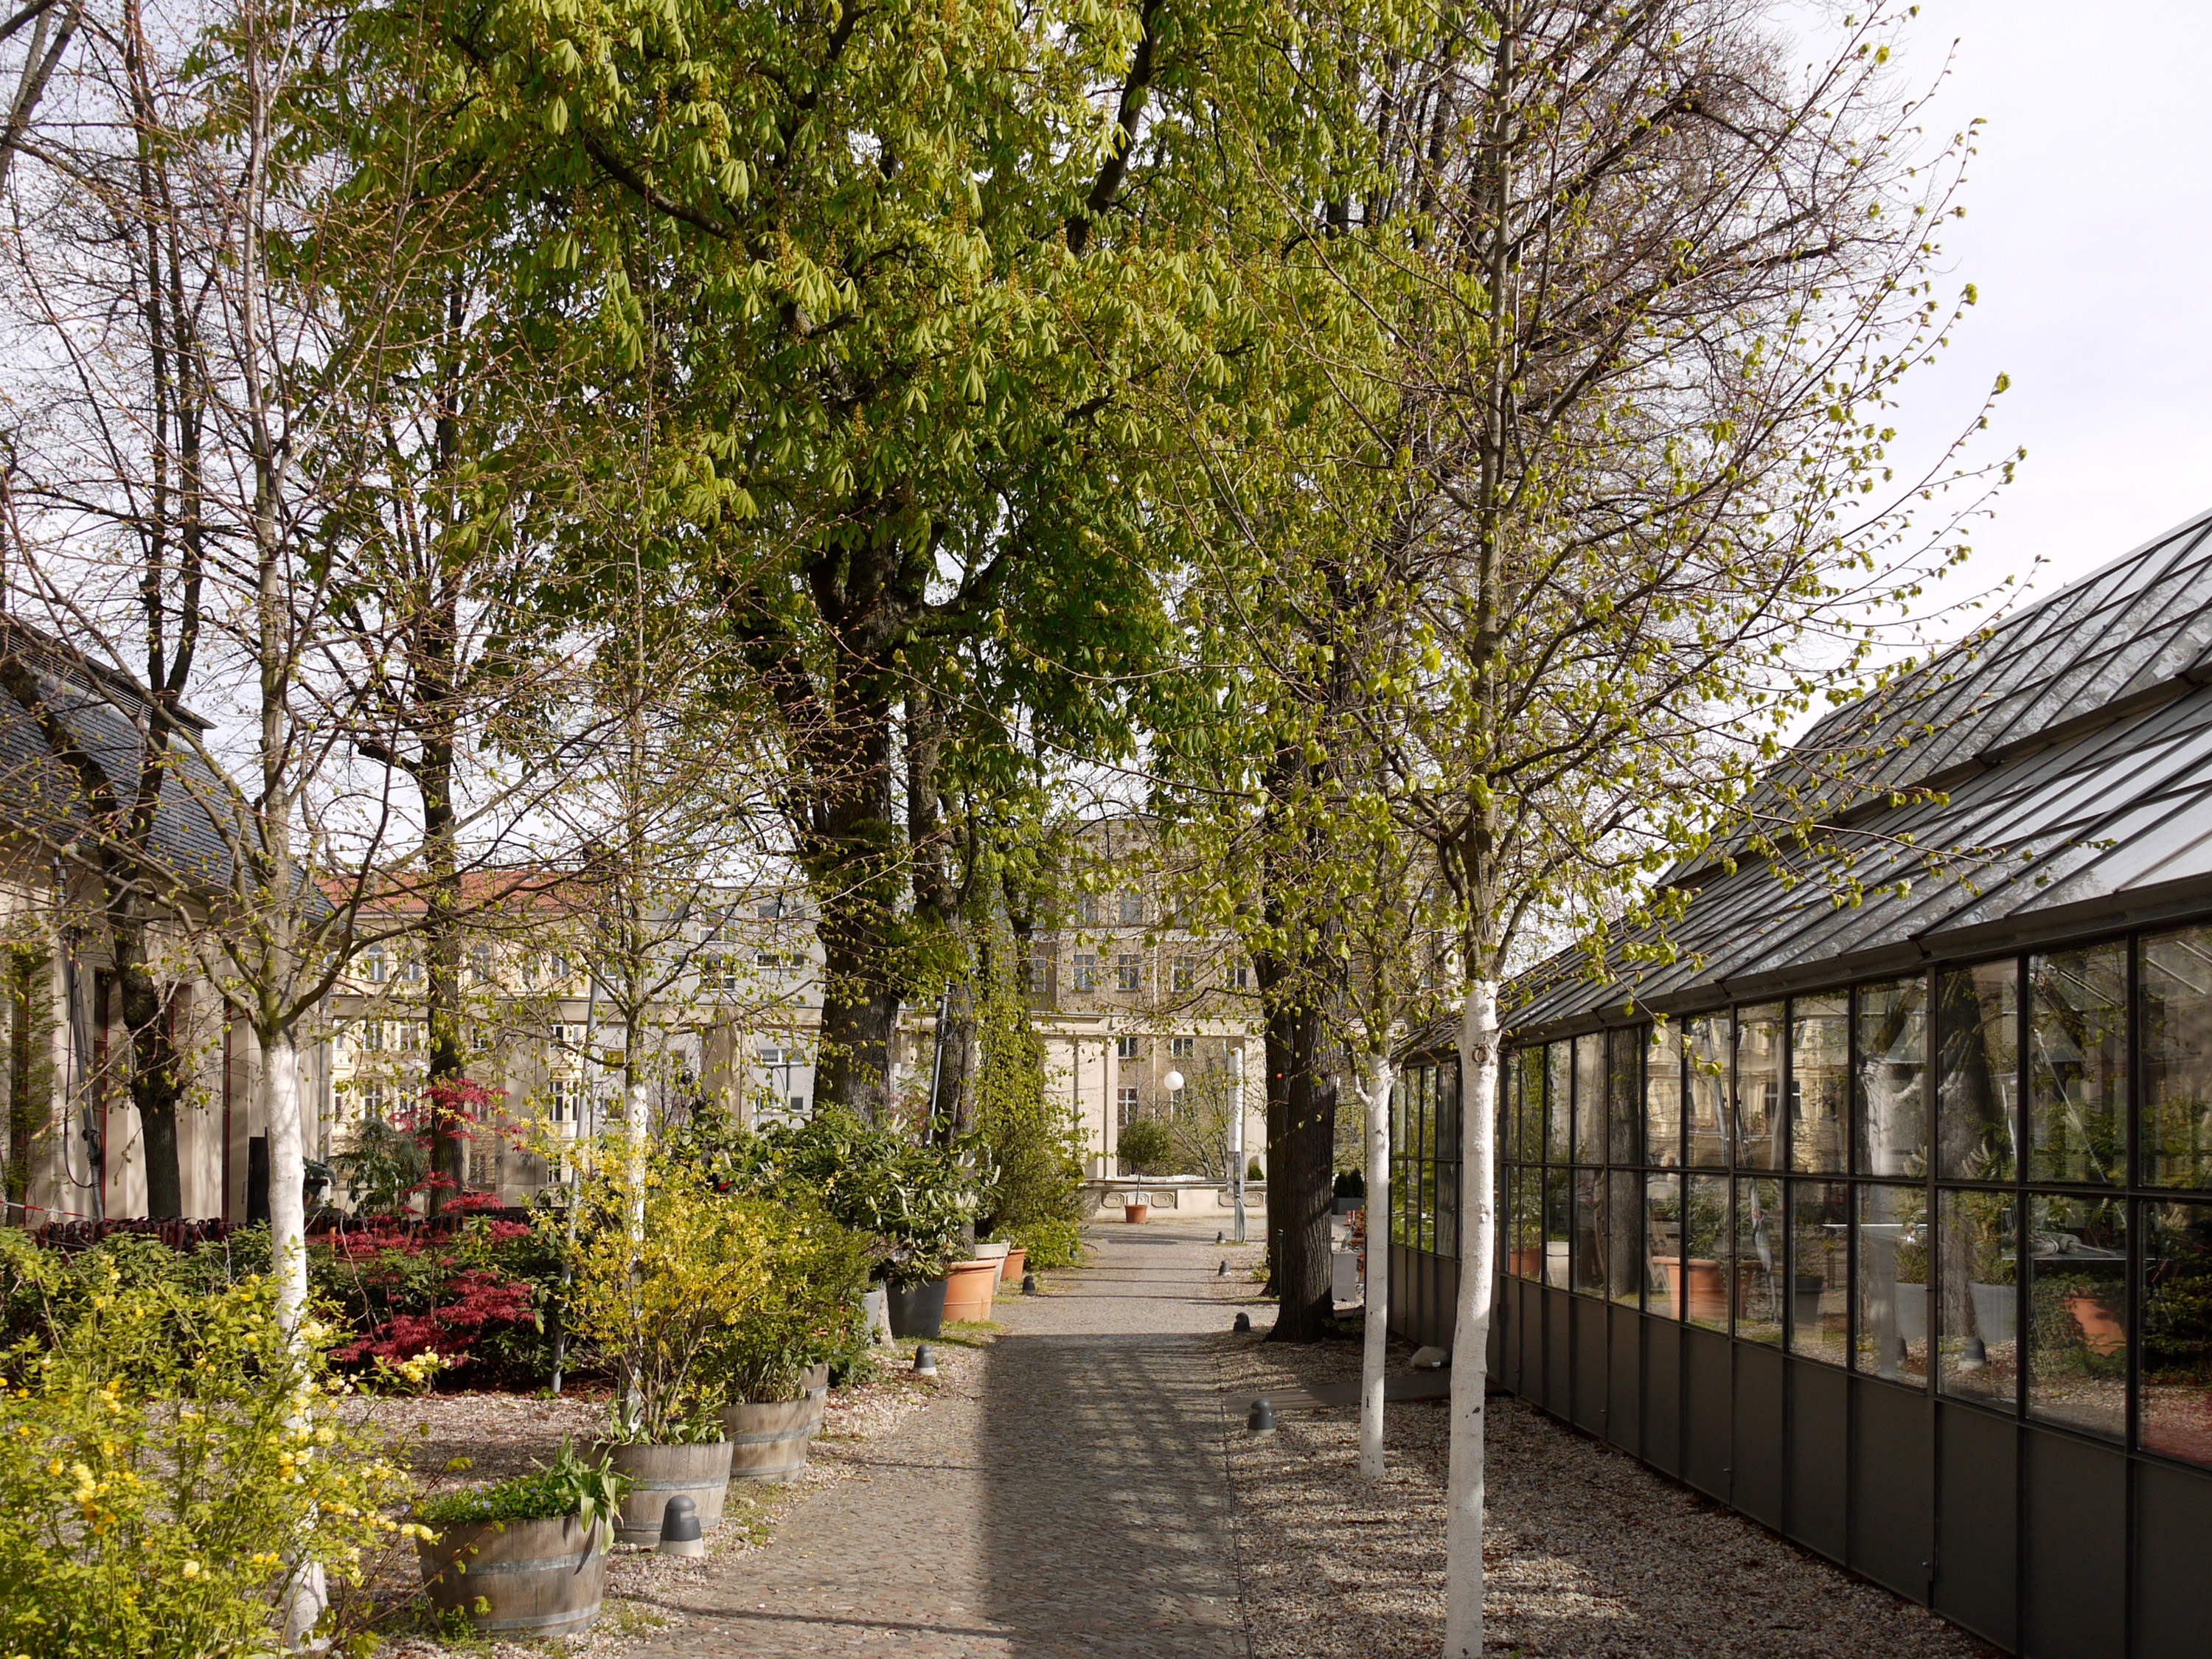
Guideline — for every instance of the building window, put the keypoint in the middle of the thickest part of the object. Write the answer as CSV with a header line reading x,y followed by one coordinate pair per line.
x,y
1240,977
1133,909
480,963
371,1040
1090,909
1182,1047
1126,1048
1186,974
372,1100
1130,972
1086,971
373,967
1125,1106
717,973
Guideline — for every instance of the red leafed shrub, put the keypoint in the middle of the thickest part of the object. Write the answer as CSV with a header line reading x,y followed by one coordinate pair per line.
x,y
477,1298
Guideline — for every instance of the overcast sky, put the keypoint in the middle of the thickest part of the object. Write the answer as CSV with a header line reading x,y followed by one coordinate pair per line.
x,y
2088,235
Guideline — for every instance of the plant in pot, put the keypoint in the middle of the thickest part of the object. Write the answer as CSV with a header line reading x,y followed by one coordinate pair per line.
x,y
1142,1147
773,1361
660,1265
528,1554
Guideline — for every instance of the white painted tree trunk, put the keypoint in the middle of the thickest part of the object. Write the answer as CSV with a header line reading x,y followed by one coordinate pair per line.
x,y
283,1109
634,1136
1377,1078
1477,1240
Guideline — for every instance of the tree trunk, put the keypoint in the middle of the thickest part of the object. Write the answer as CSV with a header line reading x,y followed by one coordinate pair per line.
x,y
1301,1190
442,948
156,1080
1378,1079
26,969
1478,1239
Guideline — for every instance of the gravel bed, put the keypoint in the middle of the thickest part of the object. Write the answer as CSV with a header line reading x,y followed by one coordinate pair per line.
x,y
502,1435
1589,1554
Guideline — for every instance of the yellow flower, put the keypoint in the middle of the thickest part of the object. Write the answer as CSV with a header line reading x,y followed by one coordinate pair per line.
x,y
191,1569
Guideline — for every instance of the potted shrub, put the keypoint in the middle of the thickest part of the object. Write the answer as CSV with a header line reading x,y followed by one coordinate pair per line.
x,y
772,1362
661,1265
1142,1147
526,1555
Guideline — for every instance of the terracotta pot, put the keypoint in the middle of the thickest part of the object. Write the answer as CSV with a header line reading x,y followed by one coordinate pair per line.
x,y
1704,1284
1134,1213
967,1290
657,1474
1529,1263
2103,1332
1011,1272
542,1577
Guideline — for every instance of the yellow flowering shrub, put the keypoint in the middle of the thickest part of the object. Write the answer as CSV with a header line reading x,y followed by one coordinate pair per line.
x,y
655,1303
167,1465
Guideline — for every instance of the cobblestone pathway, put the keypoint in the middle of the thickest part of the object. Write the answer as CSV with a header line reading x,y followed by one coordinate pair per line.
x,y
1068,1501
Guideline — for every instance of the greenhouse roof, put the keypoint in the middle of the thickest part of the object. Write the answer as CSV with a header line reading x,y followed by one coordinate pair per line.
x,y
2071,744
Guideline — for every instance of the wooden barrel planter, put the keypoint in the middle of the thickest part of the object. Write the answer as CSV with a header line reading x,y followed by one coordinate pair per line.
x,y
545,1577
967,1290
1011,1272
657,1474
769,1439
915,1309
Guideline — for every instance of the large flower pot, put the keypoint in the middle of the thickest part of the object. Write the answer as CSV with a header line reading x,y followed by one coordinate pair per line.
x,y
916,1310
1011,1272
874,1306
771,1438
657,1474
1135,1213
967,1290
1705,1288
1996,1313
545,1577
2103,1332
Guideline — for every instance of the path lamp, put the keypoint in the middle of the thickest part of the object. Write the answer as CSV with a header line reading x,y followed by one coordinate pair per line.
x,y
1236,1135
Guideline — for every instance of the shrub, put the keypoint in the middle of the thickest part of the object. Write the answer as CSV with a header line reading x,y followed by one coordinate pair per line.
x,y
1050,1243
809,1311
1143,1145
1253,1172
1035,1142
658,1303
567,1485
168,1466
477,1299
1349,1183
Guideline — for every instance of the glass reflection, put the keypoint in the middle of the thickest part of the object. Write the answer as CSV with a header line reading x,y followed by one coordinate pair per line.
x,y
1662,1245
2077,1065
1590,1098
1591,1240
1623,1259
1757,1270
1559,1074
2176,1139
1889,1099
1705,1042
1977,1070
1979,1352
1893,1282
2174,1409
1401,1200
1662,1097
1448,1196
1558,1227
1759,1087
1623,1117
1508,1115
1820,1267
2077,1335
1528,1145
1703,1266
1820,1058
1528,1258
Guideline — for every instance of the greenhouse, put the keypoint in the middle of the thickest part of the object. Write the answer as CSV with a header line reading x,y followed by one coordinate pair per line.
x,y
1883,1212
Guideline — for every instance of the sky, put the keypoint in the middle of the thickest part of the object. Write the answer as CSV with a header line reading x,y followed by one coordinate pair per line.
x,y
2089,237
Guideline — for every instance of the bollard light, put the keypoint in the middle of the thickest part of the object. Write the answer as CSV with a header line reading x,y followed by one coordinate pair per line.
x,y
1243,1323
1975,1355
1220,1236
925,1360
679,1528
1029,1285
1223,1271
1261,1419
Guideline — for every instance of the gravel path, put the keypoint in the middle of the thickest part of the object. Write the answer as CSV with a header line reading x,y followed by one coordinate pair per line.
x,y
1065,1495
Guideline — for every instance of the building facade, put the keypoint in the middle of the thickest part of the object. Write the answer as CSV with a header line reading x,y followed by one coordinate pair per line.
x,y
1889,1225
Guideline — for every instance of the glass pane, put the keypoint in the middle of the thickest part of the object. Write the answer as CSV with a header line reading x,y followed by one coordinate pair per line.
x,y
1978,1072
1402,1134
1889,1097
1893,1287
1624,1116
1820,1282
1590,1098
1401,1200
1508,1116
2176,1141
1426,1169
1558,1228
1662,1097
1530,1145
1705,1233
2175,1409
1706,1043
2077,1065
1820,1061
2077,1336
1508,1256
1662,1245
1528,1223
1624,1259
1758,1259
1559,1070
1591,1238
1422,1146
1980,1314
1447,1112
1447,1202
1759,1087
